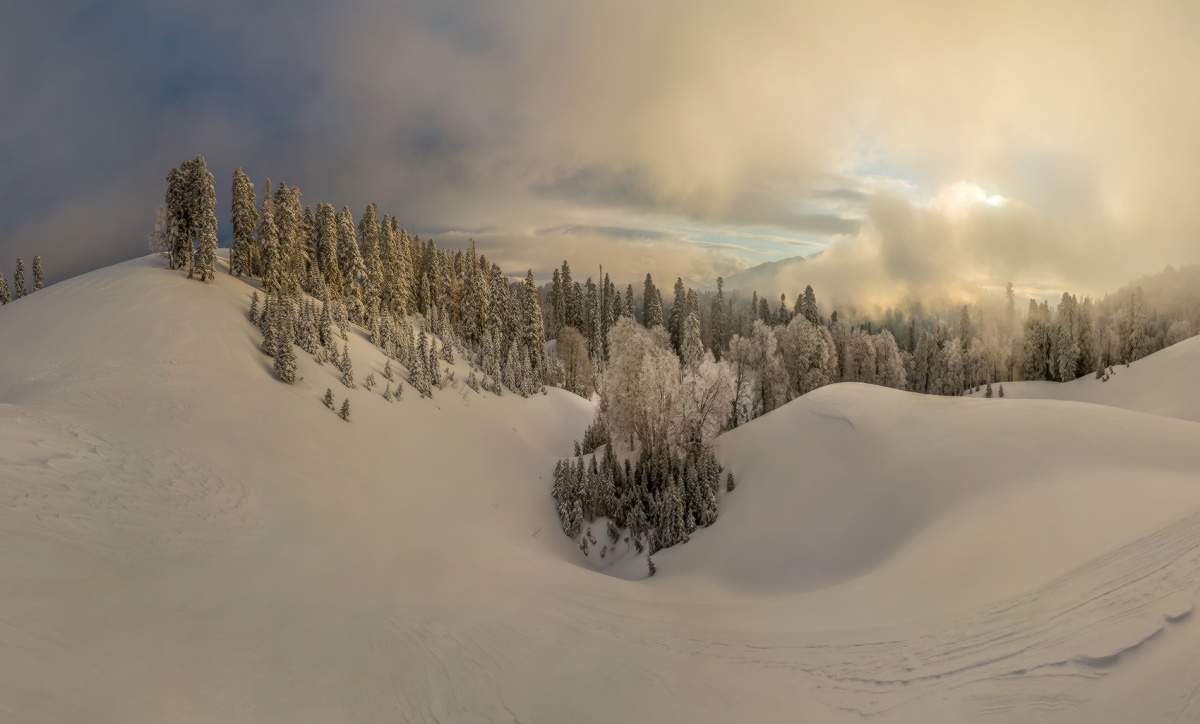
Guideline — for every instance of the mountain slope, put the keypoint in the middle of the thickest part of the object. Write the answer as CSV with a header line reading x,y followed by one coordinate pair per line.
x,y
183,538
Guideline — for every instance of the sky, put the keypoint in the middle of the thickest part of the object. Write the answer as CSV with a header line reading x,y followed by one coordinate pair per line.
x,y
914,148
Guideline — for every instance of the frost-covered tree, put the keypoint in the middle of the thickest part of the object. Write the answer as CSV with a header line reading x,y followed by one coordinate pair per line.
x,y
640,385
352,268
758,352
5,295
39,276
244,215
571,351
344,413
254,308
268,246
889,364
19,278
328,400
808,355
860,358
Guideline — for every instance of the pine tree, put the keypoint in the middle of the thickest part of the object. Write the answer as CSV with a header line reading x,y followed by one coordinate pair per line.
x,y
988,392
650,565
387,392
254,308
39,276
19,278
369,382
269,325
344,413
268,245
328,398
5,296
675,319
730,484
245,219
387,371
1002,389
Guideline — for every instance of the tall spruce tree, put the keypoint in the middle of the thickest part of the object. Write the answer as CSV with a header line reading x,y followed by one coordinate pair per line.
x,y
5,295
203,200
652,311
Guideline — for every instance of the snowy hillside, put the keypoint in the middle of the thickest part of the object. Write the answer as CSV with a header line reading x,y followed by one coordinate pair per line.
x,y
1163,383
184,538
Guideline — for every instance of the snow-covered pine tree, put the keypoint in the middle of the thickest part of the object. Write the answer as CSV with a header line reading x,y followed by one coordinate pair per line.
x,y
435,370
418,366
369,382
39,276
387,371
691,347
675,318
254,308
344,413
328,398
285,353
5,295
652,311
448,345
269,324
347,367
309,339
988,392
244,215
268,245
204,216
325,323
387,392
19,278
352,269
1002,389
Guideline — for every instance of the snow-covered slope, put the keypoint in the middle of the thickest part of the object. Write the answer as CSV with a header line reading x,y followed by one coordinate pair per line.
x,y
183,538
1164,383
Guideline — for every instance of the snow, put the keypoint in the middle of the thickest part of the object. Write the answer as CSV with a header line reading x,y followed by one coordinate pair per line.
x,y
184,538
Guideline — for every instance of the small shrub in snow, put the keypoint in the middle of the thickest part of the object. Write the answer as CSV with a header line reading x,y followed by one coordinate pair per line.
x,y
344,413
369,383
603,552
387,393
1002,389
650,565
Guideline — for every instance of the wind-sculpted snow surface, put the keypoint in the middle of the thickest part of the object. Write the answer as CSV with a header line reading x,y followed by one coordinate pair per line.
x,y
184,538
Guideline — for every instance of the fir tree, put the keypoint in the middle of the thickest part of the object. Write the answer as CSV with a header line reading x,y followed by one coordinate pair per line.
x,y
254,308
652,312
39,276
328,398
5,296
387,371
369,382
730,484
344,413
650,565
988,392
387,392
19,278
1002,389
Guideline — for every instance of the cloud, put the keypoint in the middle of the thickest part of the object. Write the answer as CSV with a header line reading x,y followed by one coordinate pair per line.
x,y
544,126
